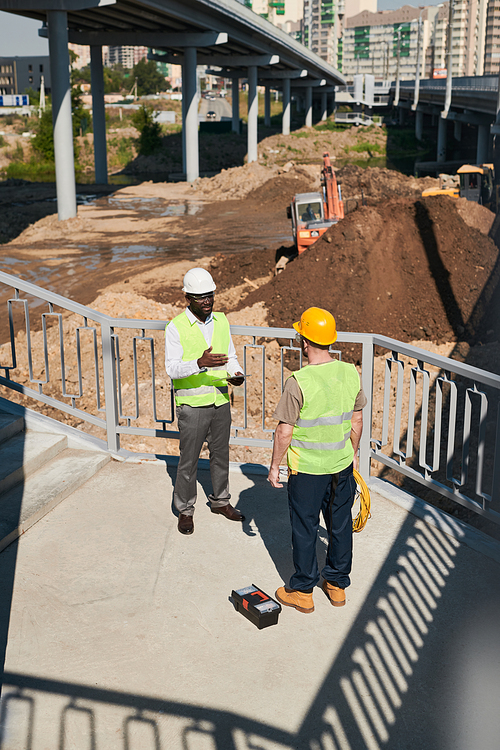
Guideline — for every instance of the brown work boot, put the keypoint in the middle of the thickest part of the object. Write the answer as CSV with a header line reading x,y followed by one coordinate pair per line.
x,y
185,524
334,593
298,599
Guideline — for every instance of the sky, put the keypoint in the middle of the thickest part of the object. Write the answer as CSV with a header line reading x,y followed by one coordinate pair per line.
x,y
19,36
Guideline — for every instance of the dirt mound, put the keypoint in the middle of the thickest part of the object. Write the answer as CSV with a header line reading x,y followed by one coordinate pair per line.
x,y
235,183
475,215
405,269
376,184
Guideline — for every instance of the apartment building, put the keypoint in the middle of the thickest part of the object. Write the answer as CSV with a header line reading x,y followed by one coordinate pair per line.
x,y
20,73
285,14
491,64
374,42
125,56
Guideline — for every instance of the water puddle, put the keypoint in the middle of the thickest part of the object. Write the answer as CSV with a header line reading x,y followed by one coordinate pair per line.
x,y
154,206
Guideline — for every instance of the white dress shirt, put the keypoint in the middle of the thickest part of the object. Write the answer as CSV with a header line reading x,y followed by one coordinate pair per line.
x,y
176,368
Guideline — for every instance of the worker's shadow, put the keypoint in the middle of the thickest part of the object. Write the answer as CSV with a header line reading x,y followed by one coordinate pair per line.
x,y
266,515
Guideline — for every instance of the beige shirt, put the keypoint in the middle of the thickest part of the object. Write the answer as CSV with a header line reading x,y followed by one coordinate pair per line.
x,y
291,402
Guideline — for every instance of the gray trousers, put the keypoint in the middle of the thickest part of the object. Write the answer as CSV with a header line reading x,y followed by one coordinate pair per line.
x,y
197,425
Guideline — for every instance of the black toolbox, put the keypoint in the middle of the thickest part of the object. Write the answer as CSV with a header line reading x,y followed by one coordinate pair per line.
x,y
257,606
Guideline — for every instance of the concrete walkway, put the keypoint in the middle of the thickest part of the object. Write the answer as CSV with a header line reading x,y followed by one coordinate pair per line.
x,y
122,635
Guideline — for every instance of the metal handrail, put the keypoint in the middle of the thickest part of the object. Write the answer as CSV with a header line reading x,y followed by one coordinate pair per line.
x,y
463,432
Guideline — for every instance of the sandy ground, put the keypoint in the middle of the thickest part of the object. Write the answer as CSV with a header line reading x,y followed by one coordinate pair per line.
x,y
125,255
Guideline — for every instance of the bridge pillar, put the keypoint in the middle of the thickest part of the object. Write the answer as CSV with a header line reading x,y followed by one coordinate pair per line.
x,y
267,107
285,122
98,116
190,114
482,144
419,124
441,144
253,111
61,114
309,106
324,105
457,130
235,96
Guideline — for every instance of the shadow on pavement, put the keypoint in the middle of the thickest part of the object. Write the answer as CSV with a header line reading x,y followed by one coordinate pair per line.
x,y
418,669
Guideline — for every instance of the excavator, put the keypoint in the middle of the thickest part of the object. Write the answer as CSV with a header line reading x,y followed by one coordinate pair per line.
x,y
476,184
313,213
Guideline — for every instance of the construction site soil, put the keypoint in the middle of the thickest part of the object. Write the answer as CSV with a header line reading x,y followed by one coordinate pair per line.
x,y
424,271
407,269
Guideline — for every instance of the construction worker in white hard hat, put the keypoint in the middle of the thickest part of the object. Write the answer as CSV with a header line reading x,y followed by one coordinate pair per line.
x,y
201,360
320,424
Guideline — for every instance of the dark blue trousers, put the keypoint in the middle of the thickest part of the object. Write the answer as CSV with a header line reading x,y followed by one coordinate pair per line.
x,y
333,496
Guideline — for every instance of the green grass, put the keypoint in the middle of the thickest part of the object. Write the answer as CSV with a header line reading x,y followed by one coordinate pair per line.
x,y
371,148
32,170
3,142
331,125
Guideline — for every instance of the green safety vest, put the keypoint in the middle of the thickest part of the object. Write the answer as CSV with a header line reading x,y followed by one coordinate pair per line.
x,y
321,437
202,388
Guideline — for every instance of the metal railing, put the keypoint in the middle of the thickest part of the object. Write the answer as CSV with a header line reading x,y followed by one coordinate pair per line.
x,y
358,118
463,83
429,418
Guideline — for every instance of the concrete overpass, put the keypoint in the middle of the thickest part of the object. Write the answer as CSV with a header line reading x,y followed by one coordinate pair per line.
x,y
221,34
473,100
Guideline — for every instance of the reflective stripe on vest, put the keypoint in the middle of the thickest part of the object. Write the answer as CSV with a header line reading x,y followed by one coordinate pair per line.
x,y
202,388
199,391
321,446
321,436
324,420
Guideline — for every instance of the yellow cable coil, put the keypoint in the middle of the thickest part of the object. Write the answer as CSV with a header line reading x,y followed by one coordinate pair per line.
x,y
363,495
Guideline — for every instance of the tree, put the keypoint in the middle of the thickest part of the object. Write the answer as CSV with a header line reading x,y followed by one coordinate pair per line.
x,y
43,142
149,80
114,78
149,140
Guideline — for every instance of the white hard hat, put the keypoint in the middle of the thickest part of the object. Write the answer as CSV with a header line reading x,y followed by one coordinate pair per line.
x,y
198,281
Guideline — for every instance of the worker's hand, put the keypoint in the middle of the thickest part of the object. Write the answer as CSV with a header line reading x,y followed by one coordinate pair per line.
x,y
210,359
355,462
235,380
273,477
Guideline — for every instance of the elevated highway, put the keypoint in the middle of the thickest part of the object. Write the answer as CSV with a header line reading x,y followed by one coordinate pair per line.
x,y
224,35
474,100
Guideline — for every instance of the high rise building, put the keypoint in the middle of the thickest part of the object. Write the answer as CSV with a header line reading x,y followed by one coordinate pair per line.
x,y
380,43
125,56
323,25
492,39
82,52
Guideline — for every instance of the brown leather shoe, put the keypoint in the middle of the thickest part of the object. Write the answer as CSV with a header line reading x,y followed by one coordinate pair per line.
x,y
229,512
334,593
185,524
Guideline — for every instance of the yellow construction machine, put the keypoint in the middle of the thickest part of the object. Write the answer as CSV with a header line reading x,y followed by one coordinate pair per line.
x,y
476,184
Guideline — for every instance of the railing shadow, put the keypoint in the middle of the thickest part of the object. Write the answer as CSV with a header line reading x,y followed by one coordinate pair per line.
x,y
412,672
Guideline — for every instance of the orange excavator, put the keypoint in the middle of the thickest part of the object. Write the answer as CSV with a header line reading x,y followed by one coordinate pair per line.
x,y
313,213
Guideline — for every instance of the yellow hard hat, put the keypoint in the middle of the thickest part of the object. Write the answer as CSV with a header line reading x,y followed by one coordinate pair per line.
x,y
317,325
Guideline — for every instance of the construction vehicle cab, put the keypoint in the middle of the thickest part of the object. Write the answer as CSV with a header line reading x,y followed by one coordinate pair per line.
x,y
313,213
476,183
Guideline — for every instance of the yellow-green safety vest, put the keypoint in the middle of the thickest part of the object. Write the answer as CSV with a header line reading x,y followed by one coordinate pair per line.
x,y
202,388
321,437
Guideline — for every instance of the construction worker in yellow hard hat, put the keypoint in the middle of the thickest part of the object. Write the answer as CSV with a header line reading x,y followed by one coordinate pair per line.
x,y
201,360
320,424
